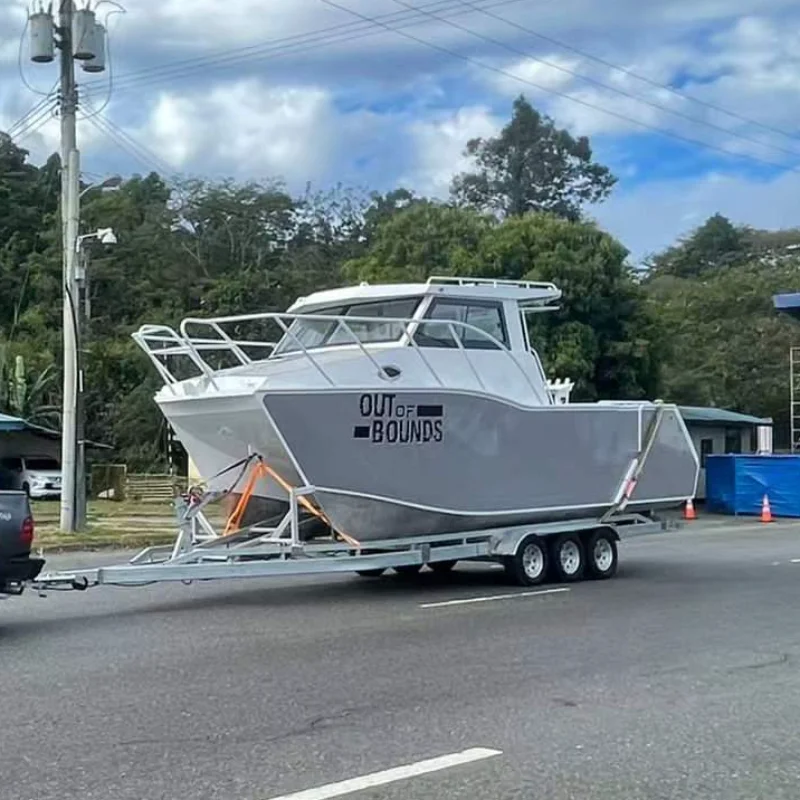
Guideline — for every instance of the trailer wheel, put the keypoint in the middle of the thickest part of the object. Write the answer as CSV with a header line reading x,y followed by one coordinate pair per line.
x,y
528,566
442,567
371,573
568,558
408,569
601,553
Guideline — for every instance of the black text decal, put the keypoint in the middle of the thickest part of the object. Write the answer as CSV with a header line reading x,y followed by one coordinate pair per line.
x,y
385,420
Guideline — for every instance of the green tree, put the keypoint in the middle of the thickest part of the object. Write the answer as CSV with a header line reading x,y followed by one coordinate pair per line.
x,y
716,243
26,393
424,239
603,336
532,166
727,345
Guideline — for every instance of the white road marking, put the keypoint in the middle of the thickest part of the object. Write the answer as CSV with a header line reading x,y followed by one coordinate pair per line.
x,y
391,775
795,561
489,597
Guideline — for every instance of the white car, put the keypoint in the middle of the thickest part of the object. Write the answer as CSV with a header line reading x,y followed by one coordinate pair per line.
x,y
39,476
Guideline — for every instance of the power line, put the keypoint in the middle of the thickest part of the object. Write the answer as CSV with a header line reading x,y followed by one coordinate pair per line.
x,y
256,50
122,139
607,87
289,45
566,96
630,73
34,122
48,101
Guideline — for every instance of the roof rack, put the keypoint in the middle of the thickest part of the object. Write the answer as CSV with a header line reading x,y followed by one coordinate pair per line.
x,y
434,279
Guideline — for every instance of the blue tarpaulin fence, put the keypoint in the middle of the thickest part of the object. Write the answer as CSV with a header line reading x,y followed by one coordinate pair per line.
x,y
736,484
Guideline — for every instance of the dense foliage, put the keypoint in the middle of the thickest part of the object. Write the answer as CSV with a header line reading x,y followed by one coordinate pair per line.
x,y
697,328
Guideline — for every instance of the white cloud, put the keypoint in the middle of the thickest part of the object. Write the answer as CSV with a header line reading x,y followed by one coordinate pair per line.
x,y
751,67
245,127
438,147
249,130
12,22
551,72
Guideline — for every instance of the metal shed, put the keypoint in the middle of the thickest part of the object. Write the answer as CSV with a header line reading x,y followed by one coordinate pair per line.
x,y
718,431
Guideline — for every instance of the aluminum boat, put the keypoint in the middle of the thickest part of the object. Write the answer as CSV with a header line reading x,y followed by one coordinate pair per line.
x,y
411,409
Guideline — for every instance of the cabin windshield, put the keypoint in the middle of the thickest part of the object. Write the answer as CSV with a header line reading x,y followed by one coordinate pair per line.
x,y
485,319
315,333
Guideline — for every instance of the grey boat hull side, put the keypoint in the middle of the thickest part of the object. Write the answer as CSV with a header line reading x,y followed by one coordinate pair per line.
x,y
370,519
403,463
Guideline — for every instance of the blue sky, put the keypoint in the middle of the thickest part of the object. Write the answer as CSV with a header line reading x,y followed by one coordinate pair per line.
x,y
300,90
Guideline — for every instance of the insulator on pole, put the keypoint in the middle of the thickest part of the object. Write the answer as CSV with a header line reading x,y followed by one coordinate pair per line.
x,y
42,39
98,63
83,36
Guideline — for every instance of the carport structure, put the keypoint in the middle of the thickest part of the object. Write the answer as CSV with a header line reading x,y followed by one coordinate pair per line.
x,y
21,438
18,437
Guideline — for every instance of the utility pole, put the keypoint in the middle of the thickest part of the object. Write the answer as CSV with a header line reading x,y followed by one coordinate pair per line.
x,y
78,36
70,212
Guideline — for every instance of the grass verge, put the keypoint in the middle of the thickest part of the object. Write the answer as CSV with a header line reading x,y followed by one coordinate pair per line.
x,y
48,510
126,525
55,542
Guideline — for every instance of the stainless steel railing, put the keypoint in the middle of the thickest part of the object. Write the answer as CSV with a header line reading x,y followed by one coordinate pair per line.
x,y
161,343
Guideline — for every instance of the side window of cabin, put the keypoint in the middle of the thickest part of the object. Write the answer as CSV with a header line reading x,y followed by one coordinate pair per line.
x,y
485,316
374,330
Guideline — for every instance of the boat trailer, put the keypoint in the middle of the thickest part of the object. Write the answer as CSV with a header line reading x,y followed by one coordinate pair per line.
x,y
201,553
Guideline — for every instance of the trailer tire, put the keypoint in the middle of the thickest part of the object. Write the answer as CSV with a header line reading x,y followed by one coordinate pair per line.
x,y
371,573
601,554
442,567
567,557
528,565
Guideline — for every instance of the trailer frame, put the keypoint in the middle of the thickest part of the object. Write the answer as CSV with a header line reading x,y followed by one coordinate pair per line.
x,y
200,553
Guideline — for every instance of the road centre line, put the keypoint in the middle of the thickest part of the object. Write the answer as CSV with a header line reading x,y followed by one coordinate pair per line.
x,y
795,561
489,597
392,775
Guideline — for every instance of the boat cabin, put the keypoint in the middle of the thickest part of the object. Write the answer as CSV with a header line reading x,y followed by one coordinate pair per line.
x,y
487,315
468,334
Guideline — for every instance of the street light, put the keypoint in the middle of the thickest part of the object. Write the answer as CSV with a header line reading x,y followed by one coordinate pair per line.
x,y
111,182
105,236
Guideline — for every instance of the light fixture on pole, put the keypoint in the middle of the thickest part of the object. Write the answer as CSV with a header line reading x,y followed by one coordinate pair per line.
x,y
105,236
81,312
110,183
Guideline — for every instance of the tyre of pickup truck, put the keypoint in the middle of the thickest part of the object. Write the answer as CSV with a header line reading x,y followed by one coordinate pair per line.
x,y
16,539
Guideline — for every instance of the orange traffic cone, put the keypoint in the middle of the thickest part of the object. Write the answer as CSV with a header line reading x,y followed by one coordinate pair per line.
x,y
688,511
766,511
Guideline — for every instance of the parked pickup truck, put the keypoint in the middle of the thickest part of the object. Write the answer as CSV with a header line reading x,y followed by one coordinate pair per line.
x,y
16,538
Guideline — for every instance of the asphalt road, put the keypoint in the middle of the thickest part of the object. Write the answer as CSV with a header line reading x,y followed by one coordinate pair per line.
x,y
677,679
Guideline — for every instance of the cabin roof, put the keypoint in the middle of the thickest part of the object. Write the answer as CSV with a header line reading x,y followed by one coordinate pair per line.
x,y
526,293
